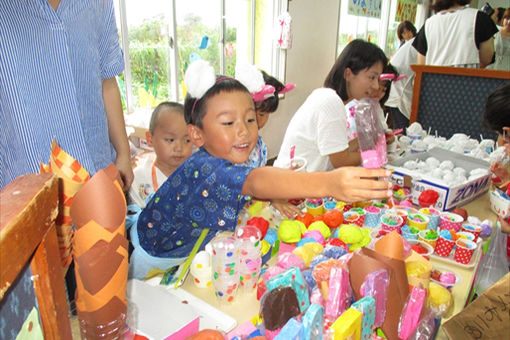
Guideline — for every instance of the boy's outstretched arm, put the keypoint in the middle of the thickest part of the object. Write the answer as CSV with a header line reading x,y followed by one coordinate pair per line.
x,y
350,184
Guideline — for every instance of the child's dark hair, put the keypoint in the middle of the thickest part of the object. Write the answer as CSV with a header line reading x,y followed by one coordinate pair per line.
x,y
270,104
195,109
172,106
440,5
357,56
497,109
405,25
388,68
500,11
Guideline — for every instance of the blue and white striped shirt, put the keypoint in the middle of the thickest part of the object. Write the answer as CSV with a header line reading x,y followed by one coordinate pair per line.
x,y
52,65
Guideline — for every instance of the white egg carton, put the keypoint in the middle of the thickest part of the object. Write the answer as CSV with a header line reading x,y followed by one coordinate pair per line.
x,y
450,195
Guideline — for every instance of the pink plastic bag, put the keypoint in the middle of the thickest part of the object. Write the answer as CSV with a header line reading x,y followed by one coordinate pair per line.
x,y
371,136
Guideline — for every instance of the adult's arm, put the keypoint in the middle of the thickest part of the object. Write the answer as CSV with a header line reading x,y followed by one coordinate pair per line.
x,y
486,52
117,130
421,59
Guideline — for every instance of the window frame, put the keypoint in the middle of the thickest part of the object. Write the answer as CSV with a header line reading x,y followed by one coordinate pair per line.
x,y
278,56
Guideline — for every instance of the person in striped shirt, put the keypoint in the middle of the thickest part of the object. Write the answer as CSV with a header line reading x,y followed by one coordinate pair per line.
x,y
58,62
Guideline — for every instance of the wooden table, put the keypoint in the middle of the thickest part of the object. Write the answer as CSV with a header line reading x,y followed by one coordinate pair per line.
x,y
246,305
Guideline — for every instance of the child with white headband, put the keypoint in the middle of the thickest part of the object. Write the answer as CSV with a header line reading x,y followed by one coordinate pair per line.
x,y
209,189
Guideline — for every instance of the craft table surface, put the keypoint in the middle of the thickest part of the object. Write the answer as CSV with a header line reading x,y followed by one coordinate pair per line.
x,y
246,306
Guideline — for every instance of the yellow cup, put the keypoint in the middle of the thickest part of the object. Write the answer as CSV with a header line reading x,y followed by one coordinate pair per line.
x,y
418,220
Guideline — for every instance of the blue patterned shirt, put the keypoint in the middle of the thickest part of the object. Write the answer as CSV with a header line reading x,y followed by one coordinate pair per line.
x,y
52,66
204,192
258,156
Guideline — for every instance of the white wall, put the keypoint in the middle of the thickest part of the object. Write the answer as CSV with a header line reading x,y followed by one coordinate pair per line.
x,y
493,3
313,52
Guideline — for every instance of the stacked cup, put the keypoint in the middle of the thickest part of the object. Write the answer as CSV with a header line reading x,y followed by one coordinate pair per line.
x,y
249,245
464,250
444,244
433,215
372,216
225,267
361,213
390,222
450,221
473,229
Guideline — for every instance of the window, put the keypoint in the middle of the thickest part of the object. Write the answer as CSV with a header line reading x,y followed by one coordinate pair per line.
x,y
381,31
162,38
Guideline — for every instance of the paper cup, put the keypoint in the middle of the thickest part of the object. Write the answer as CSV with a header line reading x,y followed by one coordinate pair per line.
x,y
472,229
408,235
390,222
314,206
298,164
330,205
226,268
361,213
433,215
466,235
347,207
372,216
464,251
351,217
450,221
431,242
419,221
413,138
444,246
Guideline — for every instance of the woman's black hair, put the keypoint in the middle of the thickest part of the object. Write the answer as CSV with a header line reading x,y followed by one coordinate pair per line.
x,y
172,106
388,68
357,56
270,104
440,5
405,25
497,109
195,109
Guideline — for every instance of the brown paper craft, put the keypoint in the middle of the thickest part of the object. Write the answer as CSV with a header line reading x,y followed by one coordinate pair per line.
x,y
487,317
366,261
391,245
72,176
101,253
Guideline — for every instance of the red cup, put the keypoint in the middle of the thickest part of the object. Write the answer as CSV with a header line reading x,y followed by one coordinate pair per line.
x,y
347,207
472,229
464,251
444,246
450,221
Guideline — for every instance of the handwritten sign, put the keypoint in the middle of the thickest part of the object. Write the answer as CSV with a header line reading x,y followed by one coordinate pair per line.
x,y
365,8
487,317
406,10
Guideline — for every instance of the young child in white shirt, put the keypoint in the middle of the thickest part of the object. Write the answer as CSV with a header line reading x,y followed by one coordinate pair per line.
x,y
168,136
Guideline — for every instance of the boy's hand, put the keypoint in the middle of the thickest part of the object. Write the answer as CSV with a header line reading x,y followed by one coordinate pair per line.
x,y
354,184
285,208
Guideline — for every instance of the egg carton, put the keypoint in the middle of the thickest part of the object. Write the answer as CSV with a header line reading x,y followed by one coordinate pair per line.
x,y
452,193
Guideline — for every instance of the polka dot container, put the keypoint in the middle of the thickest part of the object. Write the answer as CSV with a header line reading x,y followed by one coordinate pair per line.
x,y
225,267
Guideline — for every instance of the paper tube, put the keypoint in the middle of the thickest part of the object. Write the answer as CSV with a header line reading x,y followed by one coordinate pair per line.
x,y
391,245
73,175
366,261
100,250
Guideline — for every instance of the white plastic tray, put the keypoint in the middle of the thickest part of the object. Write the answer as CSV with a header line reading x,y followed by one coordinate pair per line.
x,y
164,310
450,259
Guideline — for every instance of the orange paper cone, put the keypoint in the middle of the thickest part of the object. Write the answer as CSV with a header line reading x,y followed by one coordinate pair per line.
x,y
72,175
100,251
391,245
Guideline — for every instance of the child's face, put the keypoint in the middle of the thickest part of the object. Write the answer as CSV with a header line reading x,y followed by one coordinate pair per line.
x,y
407,34
262,118
229,127
170,140
362,85
381,91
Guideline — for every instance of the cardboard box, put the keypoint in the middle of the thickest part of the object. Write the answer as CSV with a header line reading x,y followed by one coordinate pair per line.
x,y
449,197
137,136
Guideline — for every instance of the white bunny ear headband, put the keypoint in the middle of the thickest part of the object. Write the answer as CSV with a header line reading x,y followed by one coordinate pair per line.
x,y
200,77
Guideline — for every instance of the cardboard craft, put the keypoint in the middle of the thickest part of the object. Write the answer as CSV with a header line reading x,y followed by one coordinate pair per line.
x,y
366,261
488,317
99,200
